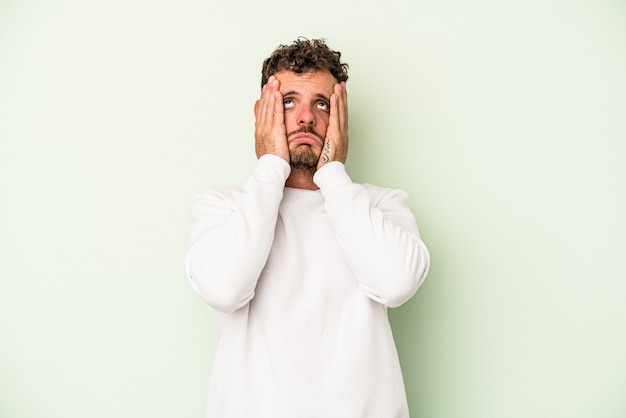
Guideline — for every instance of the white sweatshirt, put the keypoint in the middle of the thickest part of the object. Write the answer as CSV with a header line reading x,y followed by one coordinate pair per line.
x,y
301,281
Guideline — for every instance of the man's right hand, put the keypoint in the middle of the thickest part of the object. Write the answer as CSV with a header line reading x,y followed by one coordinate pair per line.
x,y
269,130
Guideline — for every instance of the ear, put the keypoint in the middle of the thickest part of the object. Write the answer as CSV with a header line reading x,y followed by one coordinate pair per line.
x,y
256,109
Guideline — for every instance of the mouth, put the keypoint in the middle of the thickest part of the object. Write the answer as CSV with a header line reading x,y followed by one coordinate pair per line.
x,y
306,138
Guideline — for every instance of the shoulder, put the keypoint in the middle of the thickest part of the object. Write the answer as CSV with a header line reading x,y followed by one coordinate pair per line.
x,y
380,195
215,197
219,192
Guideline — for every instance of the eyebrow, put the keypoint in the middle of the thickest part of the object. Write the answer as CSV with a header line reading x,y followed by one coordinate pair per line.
x,y
295,93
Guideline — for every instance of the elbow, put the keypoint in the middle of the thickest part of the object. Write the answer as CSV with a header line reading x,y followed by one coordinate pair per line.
x,y
391,296
227,303
223,299
228,300
402,284
408,275
222,291
399,298
401,292
418,273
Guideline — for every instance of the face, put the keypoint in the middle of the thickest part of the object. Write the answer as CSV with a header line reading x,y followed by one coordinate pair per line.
x,y
306,99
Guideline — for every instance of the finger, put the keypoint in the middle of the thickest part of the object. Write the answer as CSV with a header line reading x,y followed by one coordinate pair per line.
x,y
278,108
266,105
333,121
332,134
275,105
262,104
342,105
338,103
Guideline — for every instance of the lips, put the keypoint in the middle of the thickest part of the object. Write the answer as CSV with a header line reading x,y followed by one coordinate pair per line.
x,y
308,139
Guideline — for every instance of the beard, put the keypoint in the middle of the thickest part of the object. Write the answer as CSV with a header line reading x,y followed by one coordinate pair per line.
x,y
303,159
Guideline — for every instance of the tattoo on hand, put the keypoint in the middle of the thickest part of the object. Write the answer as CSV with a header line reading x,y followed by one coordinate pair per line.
x,y
325,157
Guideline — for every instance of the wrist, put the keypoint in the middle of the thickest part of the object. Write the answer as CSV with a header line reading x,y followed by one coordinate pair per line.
x,y
331,175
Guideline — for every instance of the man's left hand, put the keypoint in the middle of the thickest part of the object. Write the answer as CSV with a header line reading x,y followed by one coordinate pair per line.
x,y
336,142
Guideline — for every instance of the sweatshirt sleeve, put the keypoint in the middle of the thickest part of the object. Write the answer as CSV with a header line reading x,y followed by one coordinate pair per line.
x,y
378,234
231,233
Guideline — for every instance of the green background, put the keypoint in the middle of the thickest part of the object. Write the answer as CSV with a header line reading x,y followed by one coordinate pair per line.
x,y
505,122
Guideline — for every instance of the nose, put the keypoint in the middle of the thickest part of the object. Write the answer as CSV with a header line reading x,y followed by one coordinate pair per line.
x,y
306,117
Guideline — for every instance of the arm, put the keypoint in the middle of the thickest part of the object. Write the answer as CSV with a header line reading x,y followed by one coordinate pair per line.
x,y
378,234
231,235
374,226
232,229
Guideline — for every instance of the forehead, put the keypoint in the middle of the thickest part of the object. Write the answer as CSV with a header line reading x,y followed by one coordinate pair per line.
x,y
311,82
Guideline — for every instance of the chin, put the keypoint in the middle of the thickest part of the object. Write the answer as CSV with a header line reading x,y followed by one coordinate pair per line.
x,y
304,159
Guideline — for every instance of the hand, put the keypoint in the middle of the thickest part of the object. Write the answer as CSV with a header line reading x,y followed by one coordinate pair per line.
x,y
336,143
269,130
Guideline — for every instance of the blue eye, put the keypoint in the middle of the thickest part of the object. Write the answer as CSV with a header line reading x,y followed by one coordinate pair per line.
x,y
323,106
287,103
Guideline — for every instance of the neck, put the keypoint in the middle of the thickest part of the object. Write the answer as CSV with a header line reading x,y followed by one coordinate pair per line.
x,y
301,179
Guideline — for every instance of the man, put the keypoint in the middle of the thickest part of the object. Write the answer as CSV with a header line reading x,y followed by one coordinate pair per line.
x,y
301,263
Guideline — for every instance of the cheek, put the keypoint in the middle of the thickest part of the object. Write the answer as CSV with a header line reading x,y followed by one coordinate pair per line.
x,y
290,119
323,123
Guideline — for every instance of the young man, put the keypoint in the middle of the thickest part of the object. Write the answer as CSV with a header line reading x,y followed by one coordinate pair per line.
x,y
301,263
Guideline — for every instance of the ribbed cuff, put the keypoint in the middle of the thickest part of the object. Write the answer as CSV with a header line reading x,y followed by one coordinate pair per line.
x,y
272,169
330,176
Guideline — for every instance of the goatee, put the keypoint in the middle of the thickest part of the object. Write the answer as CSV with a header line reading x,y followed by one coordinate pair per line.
x,y
303,159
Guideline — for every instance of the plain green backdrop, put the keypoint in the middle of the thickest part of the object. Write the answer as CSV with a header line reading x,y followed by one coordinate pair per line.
x,y
505,122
